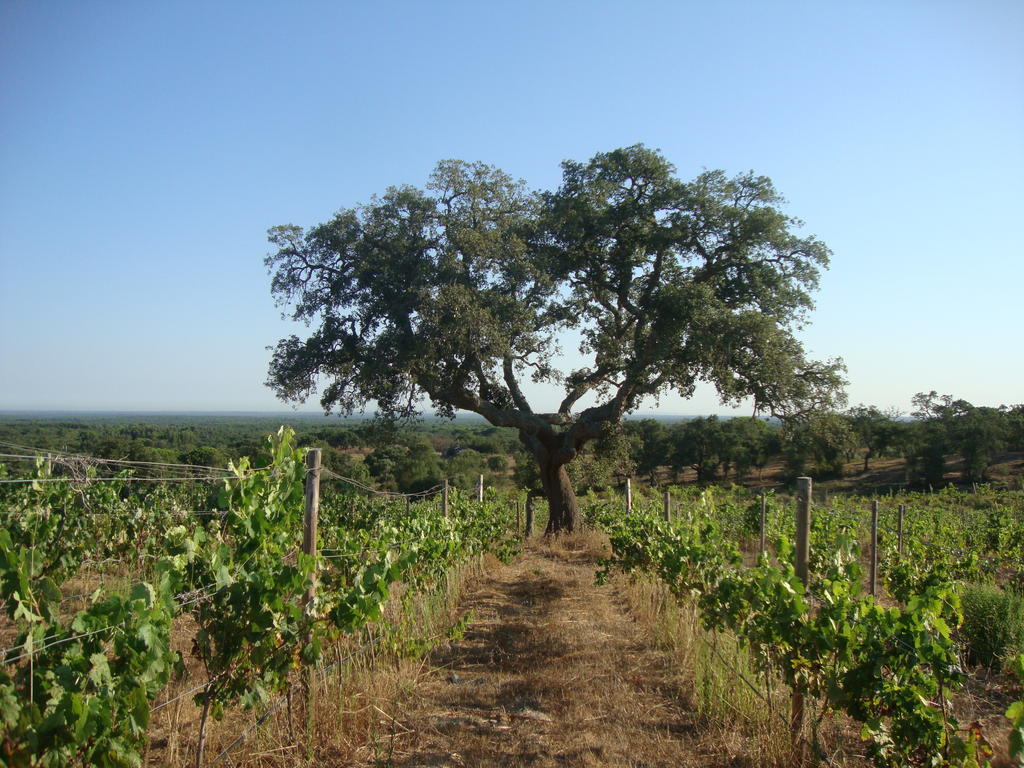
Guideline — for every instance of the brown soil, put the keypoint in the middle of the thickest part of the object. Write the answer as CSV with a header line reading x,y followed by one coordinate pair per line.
x,y
551,671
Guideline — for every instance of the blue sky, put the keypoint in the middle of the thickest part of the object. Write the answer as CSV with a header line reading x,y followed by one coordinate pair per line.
x,y
145,148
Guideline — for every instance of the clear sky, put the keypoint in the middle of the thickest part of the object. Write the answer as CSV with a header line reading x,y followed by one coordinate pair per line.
x,y
145,148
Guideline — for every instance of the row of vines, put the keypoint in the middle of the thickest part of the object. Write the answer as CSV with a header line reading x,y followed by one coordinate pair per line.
x,y
890,662
86,663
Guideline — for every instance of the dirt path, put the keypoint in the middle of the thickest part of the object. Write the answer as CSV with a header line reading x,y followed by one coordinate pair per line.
x,y
551,671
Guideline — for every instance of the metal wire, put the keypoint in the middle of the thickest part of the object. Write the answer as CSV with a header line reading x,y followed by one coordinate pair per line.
x,y
48,452
198,688
130,479
59,642
374,491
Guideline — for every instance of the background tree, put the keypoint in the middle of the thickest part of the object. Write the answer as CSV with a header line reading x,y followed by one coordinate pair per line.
x,y
349,466
698,444
876,430
1015,428
652,451
977,434
824,438
930,439
747,442
409,465
607,461
457,292
463,469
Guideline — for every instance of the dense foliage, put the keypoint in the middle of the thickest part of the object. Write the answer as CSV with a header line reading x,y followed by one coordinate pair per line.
x,y
461,292
80,672
881,666
892,668
946,443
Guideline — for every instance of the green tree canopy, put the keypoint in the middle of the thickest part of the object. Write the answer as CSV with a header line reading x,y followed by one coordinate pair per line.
x,y
977,433
459,292
698,444
876,430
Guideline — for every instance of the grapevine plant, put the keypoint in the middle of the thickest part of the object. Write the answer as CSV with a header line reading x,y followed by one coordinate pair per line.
x,y
1015,714
76,687
890,669
78,691
245,585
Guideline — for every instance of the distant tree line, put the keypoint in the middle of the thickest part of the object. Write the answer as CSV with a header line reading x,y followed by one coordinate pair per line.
x,y
707,450
406,459
823,444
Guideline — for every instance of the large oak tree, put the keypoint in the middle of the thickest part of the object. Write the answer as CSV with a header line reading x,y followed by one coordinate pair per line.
x,y
460,291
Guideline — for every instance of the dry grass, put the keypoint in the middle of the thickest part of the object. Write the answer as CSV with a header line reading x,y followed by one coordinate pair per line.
x,y
361,678
750,727
552,671
556,671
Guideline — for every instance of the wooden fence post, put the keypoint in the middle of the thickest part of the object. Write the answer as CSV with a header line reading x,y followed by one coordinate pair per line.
x,y
899,528
309,542
629,496
667,506
444,498
803,527
528,531
804,489
764,520
310,520
874,547
480,488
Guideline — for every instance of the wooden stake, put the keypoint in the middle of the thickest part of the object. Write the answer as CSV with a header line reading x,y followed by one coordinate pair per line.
x,y
874,547
629,495
528,531
803,527
667,506
764,521
480,488
309,523
309,541
444,498
804,489
902,510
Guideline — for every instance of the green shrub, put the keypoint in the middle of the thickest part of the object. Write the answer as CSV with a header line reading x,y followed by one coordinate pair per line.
x,y
993,627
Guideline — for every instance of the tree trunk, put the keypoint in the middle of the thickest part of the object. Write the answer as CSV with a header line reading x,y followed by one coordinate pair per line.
x,y
563,509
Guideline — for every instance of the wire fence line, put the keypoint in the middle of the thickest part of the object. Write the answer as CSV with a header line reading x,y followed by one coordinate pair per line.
x,y
181,600
221,473
73,638
85,480
81,635
161,705
43,453
339,554
138,512
78,462
388,494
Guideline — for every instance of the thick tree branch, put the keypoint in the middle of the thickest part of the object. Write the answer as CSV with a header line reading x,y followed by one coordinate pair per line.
x,y
513,386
